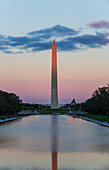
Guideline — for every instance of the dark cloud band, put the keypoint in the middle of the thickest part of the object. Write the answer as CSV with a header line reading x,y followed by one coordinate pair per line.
x,y
67,39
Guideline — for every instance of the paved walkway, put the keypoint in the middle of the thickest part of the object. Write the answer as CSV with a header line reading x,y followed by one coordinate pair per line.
x,y
10,119
14,118
92,120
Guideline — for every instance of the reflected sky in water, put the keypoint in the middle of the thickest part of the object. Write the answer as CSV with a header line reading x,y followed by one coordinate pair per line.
x,y
53,142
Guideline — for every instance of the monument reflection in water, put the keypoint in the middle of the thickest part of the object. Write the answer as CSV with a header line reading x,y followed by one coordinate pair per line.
x,y
54,142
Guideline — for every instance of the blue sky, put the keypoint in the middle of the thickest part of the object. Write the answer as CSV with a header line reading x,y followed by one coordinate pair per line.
x,y
22,16
31,25
27,29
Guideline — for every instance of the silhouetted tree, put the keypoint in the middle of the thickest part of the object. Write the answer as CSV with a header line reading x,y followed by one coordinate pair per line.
x,y
9,103
99,103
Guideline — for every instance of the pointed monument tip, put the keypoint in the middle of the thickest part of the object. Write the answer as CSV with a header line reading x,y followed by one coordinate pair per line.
x,y
54,42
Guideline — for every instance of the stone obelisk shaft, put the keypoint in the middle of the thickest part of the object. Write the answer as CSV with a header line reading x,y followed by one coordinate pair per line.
x,y
54,86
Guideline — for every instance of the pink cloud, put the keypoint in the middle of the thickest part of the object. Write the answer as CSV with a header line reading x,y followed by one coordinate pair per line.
x,y
99,24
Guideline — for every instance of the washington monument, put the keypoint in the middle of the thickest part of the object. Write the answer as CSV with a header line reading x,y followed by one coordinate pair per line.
x,y
54,86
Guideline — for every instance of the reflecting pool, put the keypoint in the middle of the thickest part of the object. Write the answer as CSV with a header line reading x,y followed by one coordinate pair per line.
x,y
53,143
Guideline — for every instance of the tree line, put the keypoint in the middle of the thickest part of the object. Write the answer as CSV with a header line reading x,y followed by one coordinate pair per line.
x,y
98,103
10,103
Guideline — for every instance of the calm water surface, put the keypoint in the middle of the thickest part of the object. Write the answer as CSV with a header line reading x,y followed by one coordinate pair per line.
x,y
53,143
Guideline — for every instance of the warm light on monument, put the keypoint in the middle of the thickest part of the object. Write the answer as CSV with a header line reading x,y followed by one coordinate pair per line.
x,y
54,86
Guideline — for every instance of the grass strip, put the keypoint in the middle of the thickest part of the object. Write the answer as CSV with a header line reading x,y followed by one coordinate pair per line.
x,y
97,117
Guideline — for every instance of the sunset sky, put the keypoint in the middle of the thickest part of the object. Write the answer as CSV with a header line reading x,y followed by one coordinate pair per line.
x,y
27,30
